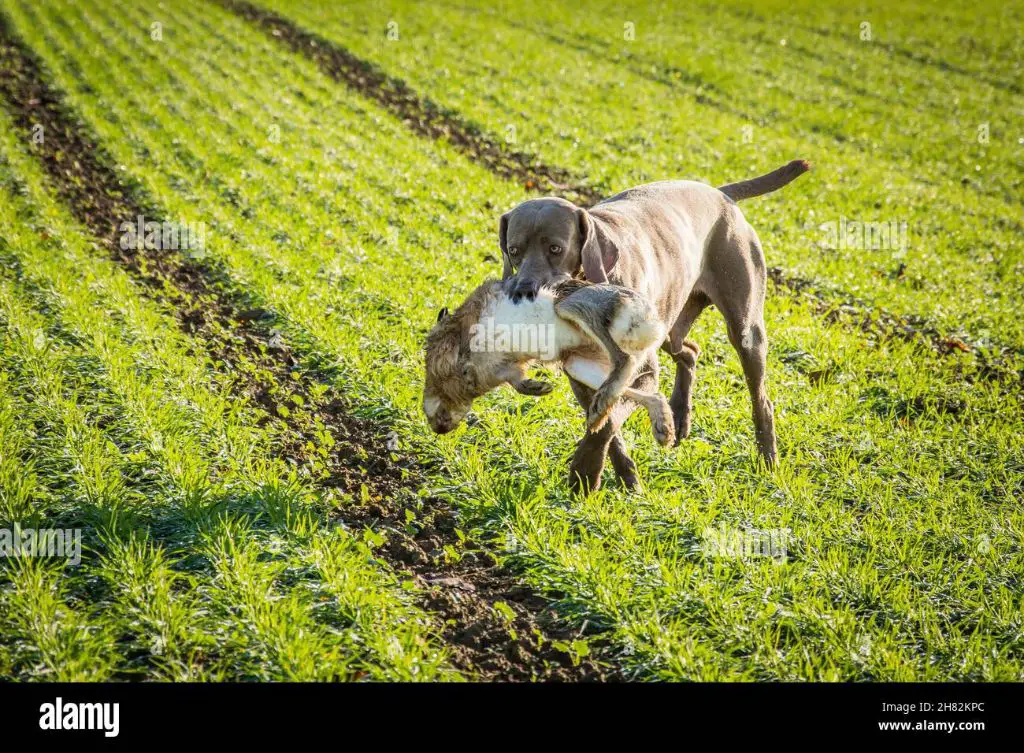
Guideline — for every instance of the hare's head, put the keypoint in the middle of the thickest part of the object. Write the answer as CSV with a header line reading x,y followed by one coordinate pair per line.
x,y
454,379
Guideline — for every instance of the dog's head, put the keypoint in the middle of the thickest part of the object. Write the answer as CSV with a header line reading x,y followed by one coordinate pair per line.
x,y
545,241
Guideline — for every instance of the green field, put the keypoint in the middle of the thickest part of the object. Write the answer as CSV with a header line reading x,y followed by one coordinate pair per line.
x,y
236,429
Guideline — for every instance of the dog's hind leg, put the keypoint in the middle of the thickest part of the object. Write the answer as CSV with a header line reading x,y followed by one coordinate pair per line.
x,y
741,301
751,343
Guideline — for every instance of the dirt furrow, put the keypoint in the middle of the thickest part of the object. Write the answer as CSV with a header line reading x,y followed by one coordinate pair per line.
x,y
420,114
423,116
994,362
495,628
914,56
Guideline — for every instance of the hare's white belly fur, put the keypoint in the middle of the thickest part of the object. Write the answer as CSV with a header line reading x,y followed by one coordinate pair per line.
x,y
587,371
532,328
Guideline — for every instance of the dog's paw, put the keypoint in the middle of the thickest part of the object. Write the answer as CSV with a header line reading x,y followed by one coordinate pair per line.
x,y
682,416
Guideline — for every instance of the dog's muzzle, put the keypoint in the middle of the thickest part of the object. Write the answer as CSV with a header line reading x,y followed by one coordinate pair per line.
x,y
524,289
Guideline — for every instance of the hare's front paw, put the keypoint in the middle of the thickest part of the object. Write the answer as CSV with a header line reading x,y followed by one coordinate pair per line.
x,y
663,425
534,387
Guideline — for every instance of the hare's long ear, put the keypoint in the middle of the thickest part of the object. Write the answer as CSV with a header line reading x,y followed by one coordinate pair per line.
x,y
442,349
508,269
596,258
443,355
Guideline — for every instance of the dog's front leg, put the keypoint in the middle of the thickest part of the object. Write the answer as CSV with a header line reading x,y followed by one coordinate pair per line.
x,y
591,452
588,462
681,401
589,458
684,352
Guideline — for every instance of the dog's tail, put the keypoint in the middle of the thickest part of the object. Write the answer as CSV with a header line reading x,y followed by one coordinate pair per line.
x,y
762,184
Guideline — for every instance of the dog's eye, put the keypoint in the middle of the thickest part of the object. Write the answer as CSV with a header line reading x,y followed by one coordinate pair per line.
x,y
555,248
513,251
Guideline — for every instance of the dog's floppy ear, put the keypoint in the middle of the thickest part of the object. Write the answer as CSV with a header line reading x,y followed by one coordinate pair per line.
x,y
508,270
597,258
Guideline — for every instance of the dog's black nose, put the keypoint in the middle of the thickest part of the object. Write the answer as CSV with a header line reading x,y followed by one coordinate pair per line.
x,y
527,290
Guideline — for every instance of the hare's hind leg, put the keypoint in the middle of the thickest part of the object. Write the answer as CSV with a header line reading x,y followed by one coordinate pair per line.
x,y
658,409
623,364
608,394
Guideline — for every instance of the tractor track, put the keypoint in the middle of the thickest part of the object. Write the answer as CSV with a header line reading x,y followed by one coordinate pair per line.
x,y
994,362
229,325
420,114
922,59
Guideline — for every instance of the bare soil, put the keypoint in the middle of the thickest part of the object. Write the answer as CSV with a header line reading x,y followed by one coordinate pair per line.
x,y
232,327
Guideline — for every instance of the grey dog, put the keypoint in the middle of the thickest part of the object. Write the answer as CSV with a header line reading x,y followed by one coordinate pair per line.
x,y
684,245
